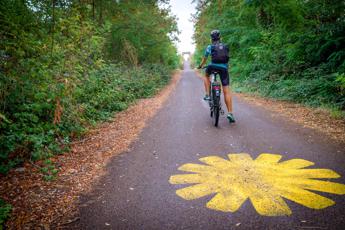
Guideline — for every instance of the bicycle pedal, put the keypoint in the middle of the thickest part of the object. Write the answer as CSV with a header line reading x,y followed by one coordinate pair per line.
x,y
222,112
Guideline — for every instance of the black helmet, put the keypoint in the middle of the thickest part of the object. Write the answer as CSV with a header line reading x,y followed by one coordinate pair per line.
x,y
215,35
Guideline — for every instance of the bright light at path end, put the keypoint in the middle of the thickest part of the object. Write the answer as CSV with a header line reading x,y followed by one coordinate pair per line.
x,y
183,10
186,57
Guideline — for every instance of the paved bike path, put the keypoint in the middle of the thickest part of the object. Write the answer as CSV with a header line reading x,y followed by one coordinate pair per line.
x,y
136,193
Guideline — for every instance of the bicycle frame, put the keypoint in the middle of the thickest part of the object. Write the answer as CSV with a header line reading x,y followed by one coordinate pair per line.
x,y
215,92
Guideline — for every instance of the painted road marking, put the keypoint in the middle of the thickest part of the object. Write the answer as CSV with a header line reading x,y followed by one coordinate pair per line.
x,y
265,181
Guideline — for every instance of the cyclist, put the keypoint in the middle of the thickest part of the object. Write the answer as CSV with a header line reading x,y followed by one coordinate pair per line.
x,y
220,58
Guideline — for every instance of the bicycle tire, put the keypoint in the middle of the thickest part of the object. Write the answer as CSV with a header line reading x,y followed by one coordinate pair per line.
x,y
216,110
210,103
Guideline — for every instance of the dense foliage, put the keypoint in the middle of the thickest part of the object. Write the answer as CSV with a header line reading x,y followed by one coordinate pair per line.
x,y
66,64
5,210
286,49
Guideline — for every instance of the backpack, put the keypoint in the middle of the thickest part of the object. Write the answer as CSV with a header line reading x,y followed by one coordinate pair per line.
x,y
219,53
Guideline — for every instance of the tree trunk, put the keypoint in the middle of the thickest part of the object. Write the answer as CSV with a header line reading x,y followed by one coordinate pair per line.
x,y
219,7
93,9
100,11
52,28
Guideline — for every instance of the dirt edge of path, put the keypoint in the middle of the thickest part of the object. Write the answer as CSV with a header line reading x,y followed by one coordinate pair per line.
x,y
39,204
314,118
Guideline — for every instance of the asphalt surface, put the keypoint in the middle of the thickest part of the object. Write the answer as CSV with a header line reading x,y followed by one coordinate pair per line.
x,y
136,193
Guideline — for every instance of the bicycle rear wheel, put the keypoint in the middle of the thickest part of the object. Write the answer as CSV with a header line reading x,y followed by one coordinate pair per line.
x,y
210,103
216,115
216,111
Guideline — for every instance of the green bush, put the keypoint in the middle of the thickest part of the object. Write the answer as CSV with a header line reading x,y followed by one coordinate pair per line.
x,y
290,50
31,134
56,76
5,210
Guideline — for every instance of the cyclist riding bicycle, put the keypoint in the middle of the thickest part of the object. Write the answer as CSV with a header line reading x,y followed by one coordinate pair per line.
x,y
220,58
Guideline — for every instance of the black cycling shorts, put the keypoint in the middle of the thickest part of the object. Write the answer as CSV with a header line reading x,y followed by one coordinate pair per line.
x,y
224,74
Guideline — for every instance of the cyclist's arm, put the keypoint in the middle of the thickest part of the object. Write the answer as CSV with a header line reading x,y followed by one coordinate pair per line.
x,y
204,59
203,62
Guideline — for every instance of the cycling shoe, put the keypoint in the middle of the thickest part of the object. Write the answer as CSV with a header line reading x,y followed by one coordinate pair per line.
x,y
207,98
231,118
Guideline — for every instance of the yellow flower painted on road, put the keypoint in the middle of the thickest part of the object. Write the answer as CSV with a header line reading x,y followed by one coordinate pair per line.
x,y
265,181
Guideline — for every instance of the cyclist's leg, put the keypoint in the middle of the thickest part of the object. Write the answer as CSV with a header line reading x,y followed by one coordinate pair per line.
x,y
224,76
227,98
207,80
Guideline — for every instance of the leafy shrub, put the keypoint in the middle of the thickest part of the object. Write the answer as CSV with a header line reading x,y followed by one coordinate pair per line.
x,y
31,134
290,50
54,80
5,210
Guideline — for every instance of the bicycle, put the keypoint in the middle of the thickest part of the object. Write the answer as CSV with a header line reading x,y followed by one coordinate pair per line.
x,y
215,92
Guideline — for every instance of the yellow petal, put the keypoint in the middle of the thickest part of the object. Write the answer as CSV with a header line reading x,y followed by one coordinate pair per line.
x,y
269,204
186,179
227,202
196,191
240,157
306,198
268,158
216,161
296,164
319,185
196,168
313,173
